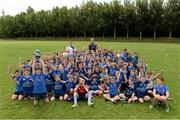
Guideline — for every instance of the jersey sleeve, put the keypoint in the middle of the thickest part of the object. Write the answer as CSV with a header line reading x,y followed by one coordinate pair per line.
x,y
167,89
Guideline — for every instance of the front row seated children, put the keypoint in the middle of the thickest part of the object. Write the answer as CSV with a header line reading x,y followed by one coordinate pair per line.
x,y
129,93
81,91
161,93
113,87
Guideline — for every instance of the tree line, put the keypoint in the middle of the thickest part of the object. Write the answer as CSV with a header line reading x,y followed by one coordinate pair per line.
x,y
127,18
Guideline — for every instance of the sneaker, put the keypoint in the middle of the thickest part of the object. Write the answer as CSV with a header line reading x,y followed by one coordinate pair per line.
x,y
151,106
123,101
90,104
115,102
75,105
167,109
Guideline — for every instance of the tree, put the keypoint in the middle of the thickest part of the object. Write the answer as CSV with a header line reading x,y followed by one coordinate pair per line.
x,y
129,15
170,16
156,12
142,15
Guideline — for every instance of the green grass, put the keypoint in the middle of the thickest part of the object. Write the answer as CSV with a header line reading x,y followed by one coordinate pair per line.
x,y
158,56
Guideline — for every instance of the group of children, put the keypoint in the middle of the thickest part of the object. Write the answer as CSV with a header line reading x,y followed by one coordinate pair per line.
x,y
74,75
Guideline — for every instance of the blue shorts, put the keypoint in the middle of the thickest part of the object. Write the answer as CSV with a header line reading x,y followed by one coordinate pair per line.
x,y
58,95
28,95
39,96
18,93
111,95
49,88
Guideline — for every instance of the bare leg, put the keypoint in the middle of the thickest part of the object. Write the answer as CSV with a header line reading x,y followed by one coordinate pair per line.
x,y
107,96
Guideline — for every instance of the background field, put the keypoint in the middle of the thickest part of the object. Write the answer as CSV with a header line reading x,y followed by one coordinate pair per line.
x,y
158,56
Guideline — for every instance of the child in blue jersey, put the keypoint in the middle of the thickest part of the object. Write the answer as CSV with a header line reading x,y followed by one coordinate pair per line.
x,y
94,85
40,91
18,94
129,93
27,84
95,88
122,76
150,76
161,93
58,90
141,89
112,69
48,80
113,87
70,85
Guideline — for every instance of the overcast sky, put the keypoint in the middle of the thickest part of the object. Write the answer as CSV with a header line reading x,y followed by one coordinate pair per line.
x,y
12,7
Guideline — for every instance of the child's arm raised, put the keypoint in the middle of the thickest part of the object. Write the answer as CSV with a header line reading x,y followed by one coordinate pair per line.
x,y
10,70
43,66
125,76
119,74
160,73
33,66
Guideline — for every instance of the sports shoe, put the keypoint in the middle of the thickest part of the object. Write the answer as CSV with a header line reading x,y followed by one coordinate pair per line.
x,y
115,102
75,105
167,109
90,104
151,106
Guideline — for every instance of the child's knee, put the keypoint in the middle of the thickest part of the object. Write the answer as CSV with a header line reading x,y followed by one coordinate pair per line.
x,y
100,92
163,98
146,98
46,100
20,97
141,100
65,96
135,98
75,94
52,98
121,95
14,97
61,98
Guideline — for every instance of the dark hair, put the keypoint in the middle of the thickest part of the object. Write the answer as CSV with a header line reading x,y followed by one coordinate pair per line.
x,y
160,77
17,71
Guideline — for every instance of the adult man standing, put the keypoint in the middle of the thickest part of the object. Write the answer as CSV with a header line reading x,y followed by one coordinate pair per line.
x,y
92,45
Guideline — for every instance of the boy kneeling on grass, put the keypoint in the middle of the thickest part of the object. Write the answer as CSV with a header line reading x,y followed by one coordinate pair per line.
x,y
161,93
40,91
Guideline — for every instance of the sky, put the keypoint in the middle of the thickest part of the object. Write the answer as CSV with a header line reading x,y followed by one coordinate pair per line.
x,y
13,7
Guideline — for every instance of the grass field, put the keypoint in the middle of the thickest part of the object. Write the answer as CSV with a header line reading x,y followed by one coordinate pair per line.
x,y
158,56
